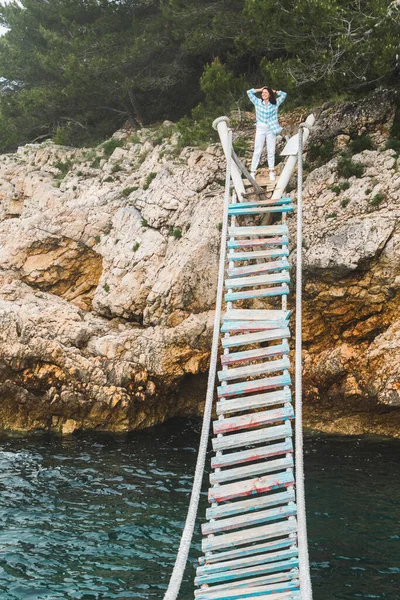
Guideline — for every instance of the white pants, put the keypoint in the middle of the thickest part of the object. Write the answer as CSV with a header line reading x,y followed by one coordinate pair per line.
x,y
264,134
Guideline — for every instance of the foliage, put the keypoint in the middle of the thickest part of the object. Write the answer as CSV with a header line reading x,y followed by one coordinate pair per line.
x,y
111,145
76,70
360,143
135,246
128,191
320,154
149,179
348,168
377,199
175,232
344,202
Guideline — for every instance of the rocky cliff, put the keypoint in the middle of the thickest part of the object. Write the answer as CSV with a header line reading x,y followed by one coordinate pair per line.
x,y
108,267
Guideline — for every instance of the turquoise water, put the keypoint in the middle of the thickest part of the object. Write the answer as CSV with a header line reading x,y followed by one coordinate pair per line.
x,y
99,517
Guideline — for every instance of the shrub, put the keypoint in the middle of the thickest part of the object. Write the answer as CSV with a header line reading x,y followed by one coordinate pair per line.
x,y
360,143
79,173
90,155
331,216
149,179
336,189
240,146
344,202
117,167
368,191
106,288
219,226
96,163
134,138
63,167
176,233
320,154
345,185
110,145
392,144
127,191
145,223
348,168
135,246
377,199
108,179
97,239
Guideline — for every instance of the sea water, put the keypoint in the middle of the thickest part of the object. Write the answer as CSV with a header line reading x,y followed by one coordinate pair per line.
x,y
98,517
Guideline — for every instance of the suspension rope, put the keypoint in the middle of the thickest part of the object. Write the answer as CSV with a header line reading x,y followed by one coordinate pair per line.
x,y
304,564
186,539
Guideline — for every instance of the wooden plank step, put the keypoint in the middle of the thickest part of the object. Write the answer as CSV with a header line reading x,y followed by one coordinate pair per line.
x,y
257,210
257,518
257,353
256,582
265,569
276,265
281,290
253,402
257,242
258,485
241,282
239,553
267,383
287,589
292,595
267,230
270,202
258,254
246,456
253,470
242,326
259,436
253,419
245,506
250,561
255,338
254,370
244,314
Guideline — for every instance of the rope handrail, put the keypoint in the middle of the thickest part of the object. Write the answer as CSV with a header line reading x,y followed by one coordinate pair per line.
x,y
304,564
187,535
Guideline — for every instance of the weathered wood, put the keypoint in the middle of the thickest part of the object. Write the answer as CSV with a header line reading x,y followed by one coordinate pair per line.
x,y
248,506
244,314
238,553
267,230
259,436
254,571
244,387
277,265
253,470
282,290
253,419
251,561
253,402
255,338
279,208
246,520
242,326
242,538
258,485
251,455
258,254
270,202
260,591
254,370
257,353
241,282
271,241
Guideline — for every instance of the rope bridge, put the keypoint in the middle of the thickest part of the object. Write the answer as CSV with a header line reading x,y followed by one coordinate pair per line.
x,y
255,538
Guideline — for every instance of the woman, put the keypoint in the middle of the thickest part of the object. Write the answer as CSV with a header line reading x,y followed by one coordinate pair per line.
x,y
267,125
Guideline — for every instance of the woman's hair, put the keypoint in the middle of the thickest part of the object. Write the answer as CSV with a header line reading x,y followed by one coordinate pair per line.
x,y
272,97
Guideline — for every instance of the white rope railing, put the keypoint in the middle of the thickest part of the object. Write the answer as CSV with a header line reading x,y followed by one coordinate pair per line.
x,y
304,563
187,535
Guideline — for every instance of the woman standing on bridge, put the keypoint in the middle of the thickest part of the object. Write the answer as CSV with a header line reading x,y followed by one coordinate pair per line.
x,y
267,125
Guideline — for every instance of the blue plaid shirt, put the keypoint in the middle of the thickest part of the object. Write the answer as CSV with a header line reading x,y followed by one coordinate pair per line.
x,y
267,114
